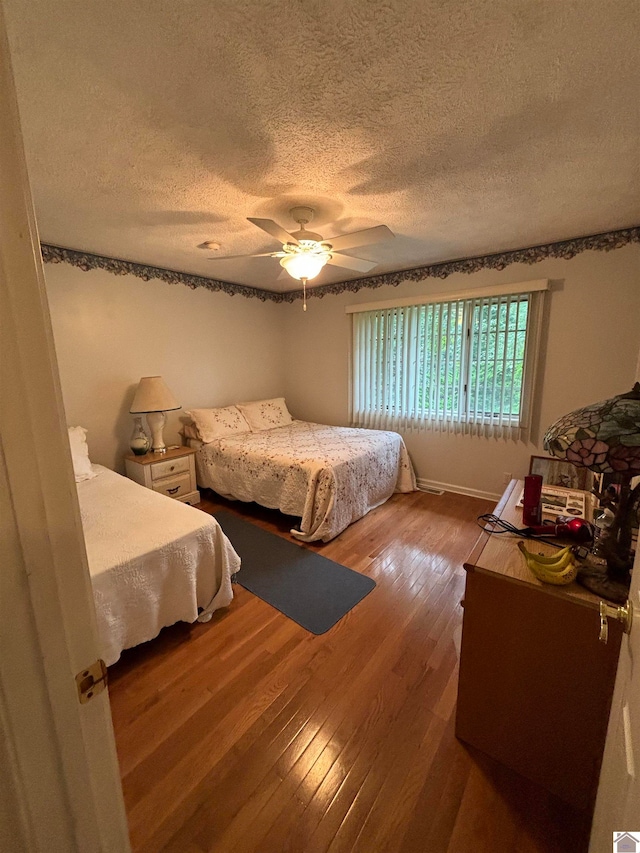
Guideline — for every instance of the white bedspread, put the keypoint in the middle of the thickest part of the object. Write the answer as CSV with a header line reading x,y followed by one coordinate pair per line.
x,y
153,561
328,476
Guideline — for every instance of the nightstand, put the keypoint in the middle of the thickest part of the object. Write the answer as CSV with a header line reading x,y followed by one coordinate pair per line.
x,y
172,473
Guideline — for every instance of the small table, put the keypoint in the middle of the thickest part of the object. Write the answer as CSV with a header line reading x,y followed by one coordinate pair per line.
x,y
172,473
535,683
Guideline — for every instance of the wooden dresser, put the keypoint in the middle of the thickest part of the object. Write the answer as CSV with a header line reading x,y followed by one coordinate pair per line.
x,y
535,683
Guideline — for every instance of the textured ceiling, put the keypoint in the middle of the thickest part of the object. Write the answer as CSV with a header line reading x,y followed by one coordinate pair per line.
x,y
466,127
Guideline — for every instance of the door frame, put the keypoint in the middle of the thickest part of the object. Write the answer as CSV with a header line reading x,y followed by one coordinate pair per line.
x,y
61,788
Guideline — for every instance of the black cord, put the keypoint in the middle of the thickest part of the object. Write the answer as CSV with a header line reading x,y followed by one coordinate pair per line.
x,y
499,525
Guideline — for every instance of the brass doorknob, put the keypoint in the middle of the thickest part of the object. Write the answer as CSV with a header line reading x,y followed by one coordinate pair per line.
x,y
623,614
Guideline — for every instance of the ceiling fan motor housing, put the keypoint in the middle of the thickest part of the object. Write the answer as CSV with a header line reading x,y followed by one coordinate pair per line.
x,y
309,236
304,215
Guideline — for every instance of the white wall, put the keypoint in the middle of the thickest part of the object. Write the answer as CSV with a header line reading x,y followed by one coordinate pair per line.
x,y
212,350
590,353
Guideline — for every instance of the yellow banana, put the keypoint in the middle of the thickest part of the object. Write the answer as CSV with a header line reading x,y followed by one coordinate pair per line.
x,y
565,576
559,564
559,569
555,559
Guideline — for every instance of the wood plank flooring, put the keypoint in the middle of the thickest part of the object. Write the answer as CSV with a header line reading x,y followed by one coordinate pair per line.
x,y
250,734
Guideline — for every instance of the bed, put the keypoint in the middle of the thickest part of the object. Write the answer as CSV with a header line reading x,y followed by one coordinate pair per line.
x,y
327,476
153,561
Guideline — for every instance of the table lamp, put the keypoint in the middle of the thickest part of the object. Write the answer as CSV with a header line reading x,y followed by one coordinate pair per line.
x,y
153,398
605,438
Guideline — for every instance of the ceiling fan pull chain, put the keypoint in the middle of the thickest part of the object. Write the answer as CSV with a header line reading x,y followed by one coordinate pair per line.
x,y
304,294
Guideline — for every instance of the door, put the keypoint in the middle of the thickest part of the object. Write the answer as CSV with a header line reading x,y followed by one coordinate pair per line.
x,y
59,786
618,802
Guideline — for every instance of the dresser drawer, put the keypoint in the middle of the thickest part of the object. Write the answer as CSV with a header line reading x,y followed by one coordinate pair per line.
x,y
170,468
174,487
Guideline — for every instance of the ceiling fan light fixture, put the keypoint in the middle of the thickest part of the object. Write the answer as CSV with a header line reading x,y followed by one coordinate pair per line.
x,y
304,265
304,253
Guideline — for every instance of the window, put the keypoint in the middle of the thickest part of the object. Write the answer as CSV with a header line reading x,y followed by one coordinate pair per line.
x,y
463,364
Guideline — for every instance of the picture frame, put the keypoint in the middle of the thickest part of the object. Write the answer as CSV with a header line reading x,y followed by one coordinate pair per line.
x,y
559,472
607,488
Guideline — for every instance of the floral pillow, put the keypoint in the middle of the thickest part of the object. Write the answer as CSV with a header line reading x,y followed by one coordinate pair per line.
x,y
266,414
216,423
190,431
80,454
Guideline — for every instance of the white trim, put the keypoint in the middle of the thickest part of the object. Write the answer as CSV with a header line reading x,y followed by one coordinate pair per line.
x,y
350,372
457,490
532,359
474,293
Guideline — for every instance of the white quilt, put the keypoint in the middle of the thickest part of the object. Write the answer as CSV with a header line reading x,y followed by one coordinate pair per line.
x,y
153,561
328,476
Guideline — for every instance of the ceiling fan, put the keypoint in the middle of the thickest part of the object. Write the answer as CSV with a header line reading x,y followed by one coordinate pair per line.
x,y
304,253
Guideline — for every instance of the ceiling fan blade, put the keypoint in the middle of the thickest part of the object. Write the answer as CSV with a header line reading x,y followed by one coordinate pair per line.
x,y
274,229
361,238
358,264
233,257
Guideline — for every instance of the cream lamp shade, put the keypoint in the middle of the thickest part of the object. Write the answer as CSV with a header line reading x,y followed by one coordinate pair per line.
x,y
154,398
153,395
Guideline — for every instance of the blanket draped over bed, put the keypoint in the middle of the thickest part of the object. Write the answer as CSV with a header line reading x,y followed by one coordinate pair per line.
x,y
153,561
328,476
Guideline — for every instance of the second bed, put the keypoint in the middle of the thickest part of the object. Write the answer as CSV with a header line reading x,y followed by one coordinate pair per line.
x,y
153,561
327,476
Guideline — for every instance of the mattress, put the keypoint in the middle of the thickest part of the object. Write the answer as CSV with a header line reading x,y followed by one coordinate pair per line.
x,y
327,476
153,561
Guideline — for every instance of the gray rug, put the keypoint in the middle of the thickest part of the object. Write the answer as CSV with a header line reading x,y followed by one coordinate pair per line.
x,y
306,587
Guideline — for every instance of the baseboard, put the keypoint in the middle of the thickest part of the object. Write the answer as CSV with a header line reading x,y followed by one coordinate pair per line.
x,y
458,490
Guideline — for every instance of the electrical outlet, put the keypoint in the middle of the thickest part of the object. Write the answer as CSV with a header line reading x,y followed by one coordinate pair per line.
x,y
506,477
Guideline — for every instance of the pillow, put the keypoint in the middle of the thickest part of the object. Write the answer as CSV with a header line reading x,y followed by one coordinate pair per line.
x,y
266,414
80,454
190,431
215,423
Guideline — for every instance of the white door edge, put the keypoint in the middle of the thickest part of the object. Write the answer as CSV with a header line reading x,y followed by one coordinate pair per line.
x,y
62,790
617,807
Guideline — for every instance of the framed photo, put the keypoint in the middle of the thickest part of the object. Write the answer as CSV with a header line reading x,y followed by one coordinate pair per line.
x,y
558,472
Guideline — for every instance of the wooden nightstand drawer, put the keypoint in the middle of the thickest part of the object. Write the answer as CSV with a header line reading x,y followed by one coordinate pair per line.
x,y
172,473
170,468
174,487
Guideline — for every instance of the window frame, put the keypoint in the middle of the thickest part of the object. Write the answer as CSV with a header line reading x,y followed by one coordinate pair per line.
x,y
463,420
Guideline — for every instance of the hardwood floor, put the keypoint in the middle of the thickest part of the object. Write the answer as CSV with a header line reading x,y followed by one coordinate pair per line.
x,y
250,734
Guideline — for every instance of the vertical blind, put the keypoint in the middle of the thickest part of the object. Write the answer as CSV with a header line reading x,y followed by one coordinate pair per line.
x,y
462,365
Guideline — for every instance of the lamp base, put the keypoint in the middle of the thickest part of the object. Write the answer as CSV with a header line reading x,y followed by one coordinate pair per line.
x,y
597,580
156,421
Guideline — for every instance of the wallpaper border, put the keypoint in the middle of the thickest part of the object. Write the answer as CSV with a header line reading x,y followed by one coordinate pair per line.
x,y
565,249
87,261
